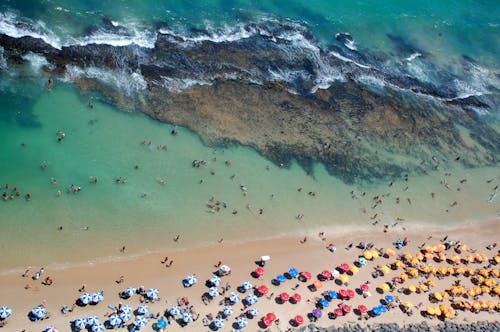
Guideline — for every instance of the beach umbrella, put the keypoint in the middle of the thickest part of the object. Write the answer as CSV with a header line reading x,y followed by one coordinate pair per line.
x,y
152,293
350,293
324,303
80,323
412,288
344,267
251,299
125,316
114,320
129,291
332,295
362,308
225,268
98,327
389,298
271,316
343,293
50,329
408,304
174,311
140,321
317,313
354,269
365,287
362,261
390,252
215,280
39,312
306,275
367,254
213,292
298,319
259,272
247,285
218,322
85,298
187,317
190,280
280,278
228,311
296,297
385,269
293,272
5,312
242,322
346,309
385,287
92,320
234,298
126,308
284,297
143,309
263,289
326,274
317,284
97,297
254,312
335,273
382,308
161,323
344,278
338,312
266,321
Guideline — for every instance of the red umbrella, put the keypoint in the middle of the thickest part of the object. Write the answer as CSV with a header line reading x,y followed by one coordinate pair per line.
x,y
259,271
271,316
344,267
284,297
346,308
326,274
296,297
299,319
362,308
365,287
338,312
306,275
266,321
350,293
343,293
262,290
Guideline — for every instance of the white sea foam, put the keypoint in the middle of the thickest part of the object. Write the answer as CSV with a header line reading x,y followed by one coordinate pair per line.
x,y
413,56
133,35
179,84
3,62
36,61
345,59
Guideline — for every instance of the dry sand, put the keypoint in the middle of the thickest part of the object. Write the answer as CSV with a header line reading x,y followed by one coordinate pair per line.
x,y
285,252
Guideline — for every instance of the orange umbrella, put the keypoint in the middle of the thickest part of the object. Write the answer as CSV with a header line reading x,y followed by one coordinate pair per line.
x,y
317,284
404,276
390,252
431,283
419,256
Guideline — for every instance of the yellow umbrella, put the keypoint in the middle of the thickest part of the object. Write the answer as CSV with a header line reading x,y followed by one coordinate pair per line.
x,y
470,258
483,272
385,269
385,287
354,269
496,289
442,257
476,305
440,247
404,276
470,271
497,258
344,278
455,258
485,289
409,305
412,288
407,256
437,311
437,296
398,263
428,256
431,311
464,247
413,272
429,249
495,272
374,253
445,295
423,287
390,252
459,270
419,256
471,292
431,283
368,254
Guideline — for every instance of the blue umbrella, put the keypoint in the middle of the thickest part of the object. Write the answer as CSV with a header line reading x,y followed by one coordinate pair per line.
x,y
152,293
242,322
215,280
92,320
5,312
86,298
50,329
114,320
142,309
140,321
39,312
247,285
382,309
317,313
389,298
293,272
97,297
324,303
281,278
332,295
174,311
399,243
187,317
125,316
254,312
98,327
130,291
218,323
376,311
161,323
233,297
80,323
126,308
228,311
251,299
213,292
362,260
190,280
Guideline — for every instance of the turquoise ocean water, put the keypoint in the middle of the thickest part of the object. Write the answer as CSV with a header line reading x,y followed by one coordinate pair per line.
x,y
143,213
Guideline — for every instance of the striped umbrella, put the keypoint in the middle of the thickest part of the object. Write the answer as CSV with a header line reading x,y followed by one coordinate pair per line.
x,y
242,322
50,329
114,320
234,298
187,317
39,312
174,311
140,321
228,311
247,285
191,280
213,292
130,291
97,297
126,308
254,312
86,298
80,323
152,293
98,327
125,316
143,309
5,312
218,323
215,280
251,299
92,320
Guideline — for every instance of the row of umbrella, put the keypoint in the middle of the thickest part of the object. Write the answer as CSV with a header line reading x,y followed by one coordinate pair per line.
x,y
94,298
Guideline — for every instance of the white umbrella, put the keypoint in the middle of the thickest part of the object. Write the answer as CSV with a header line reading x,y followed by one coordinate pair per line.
x,y
50,329
254,312
86,298
247,285
97,297
335,273
218,323
125,316
213,292
140,321
225,268
215,280
80,323
187,317
98,327
129,291
191,280
242,322
228,311
126,308
5,312
142,309
174,311
114,320
251,299
39,312
152,293
92,320
233,297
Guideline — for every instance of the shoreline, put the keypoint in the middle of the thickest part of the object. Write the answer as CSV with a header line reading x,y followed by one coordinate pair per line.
x,y
285,252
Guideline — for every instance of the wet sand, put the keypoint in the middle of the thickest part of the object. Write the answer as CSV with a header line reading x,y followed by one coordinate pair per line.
x,y
285,252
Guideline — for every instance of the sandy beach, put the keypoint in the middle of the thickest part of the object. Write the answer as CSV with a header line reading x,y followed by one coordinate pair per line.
x,y
24,293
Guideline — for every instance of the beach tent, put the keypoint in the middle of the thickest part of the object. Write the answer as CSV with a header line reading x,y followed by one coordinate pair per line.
x,y
143,309
298,319
247,285
218,323
152,294
241,322
140,321
80,323
98,327
213,292
234,298
5,312
215,280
